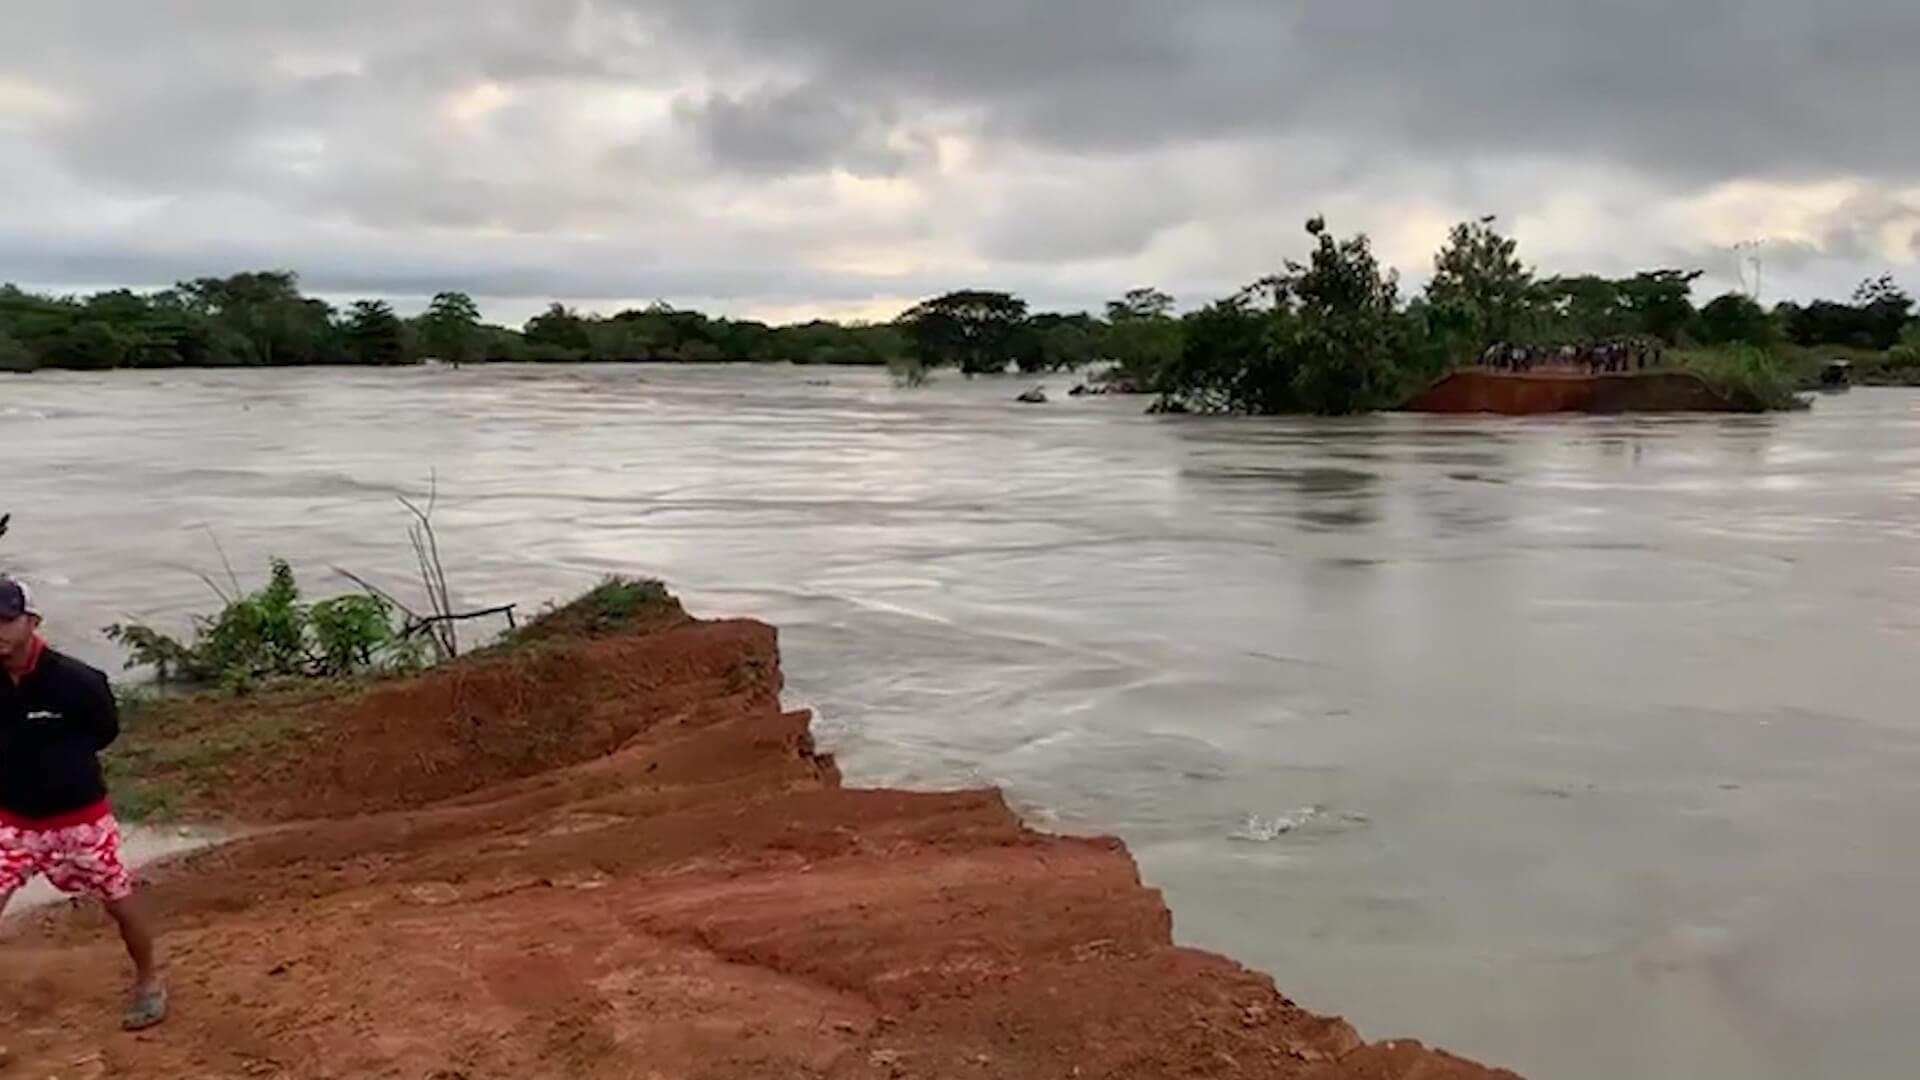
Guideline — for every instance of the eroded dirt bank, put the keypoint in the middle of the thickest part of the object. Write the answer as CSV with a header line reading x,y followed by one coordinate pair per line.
x,y
1534,393
620,857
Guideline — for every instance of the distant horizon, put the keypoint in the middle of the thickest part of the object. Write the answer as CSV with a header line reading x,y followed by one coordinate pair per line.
x,y
526,307
518,308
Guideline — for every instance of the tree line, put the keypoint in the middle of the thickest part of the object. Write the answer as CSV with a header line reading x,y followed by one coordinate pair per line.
x,y
1328,333
262,319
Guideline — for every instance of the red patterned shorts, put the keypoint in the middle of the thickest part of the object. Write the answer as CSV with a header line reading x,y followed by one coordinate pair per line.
x,y
79,859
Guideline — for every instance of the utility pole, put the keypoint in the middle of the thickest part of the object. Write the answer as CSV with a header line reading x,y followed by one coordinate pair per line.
x,y
1747,255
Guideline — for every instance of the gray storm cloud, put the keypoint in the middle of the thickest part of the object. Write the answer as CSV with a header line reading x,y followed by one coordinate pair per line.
x,y
777,154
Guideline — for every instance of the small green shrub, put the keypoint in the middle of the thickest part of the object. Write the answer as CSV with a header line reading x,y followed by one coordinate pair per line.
x,y
270,634
618,598
1904,358
261,634
350,631
615,606
1753,377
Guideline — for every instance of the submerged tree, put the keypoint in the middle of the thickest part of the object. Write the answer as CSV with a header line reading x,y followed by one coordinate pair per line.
x,y
450,328
1058,342
1328,336
265,317
1344,336
559,330
1143,337
973,330
373,334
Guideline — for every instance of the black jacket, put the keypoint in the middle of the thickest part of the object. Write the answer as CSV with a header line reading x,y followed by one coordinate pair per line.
x,y
53,726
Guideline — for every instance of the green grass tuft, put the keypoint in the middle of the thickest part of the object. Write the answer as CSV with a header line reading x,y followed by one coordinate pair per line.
x,y
1756,379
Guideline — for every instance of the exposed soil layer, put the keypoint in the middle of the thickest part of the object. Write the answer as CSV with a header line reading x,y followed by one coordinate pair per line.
x,y
620,857
1520,395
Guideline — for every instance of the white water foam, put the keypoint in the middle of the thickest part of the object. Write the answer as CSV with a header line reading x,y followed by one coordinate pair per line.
x,y
1314,819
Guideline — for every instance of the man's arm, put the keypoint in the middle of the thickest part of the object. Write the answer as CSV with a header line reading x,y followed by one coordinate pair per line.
x,y
99,711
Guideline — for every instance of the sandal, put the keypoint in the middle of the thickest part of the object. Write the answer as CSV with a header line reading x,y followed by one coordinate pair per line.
x,y
149,1007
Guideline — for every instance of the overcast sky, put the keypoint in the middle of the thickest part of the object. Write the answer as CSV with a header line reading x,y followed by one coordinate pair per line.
x,y
782,158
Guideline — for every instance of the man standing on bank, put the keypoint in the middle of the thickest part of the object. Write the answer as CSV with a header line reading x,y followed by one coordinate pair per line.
x,y
56,715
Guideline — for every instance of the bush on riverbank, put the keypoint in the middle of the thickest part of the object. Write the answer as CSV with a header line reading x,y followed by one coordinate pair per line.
x,y
180,746
1902,364
272,634
618,605
1756,379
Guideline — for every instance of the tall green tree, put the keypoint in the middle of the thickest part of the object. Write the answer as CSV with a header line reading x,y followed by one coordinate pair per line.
x,y
450,328
1327,336
1061,342
373,334
1480,293
559,330
1140,304
974,330
1583,307
266,317
1653,303
1735,319
1344,338
195,338
1661,302
1143,337
1229,360
1884,309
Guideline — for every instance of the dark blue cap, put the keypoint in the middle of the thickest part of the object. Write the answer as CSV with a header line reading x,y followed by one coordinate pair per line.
x,y
15,600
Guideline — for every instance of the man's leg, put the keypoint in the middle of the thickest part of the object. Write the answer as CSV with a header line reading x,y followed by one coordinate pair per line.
x,y
85,859
17,863
136,930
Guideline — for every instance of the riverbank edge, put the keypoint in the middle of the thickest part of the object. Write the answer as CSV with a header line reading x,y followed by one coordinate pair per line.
x,y
640,800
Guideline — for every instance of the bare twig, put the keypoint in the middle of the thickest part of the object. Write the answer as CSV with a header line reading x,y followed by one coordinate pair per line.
x,y
433,573
446,594
215,586
428,624
433,598
375,591
438,602
224,561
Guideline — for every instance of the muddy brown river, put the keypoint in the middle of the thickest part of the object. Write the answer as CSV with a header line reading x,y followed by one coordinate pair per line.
x,y
1585,746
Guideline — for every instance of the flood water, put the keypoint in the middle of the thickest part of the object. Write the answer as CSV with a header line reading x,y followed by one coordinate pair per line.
x,y
1585,746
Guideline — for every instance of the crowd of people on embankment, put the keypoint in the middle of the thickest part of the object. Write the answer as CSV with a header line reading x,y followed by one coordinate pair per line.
x,y
1594,358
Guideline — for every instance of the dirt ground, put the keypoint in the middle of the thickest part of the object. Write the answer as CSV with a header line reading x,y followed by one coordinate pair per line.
x,y
618,856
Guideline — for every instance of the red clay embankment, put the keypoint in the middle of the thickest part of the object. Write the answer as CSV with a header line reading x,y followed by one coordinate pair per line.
x,y
1546,392
623,858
